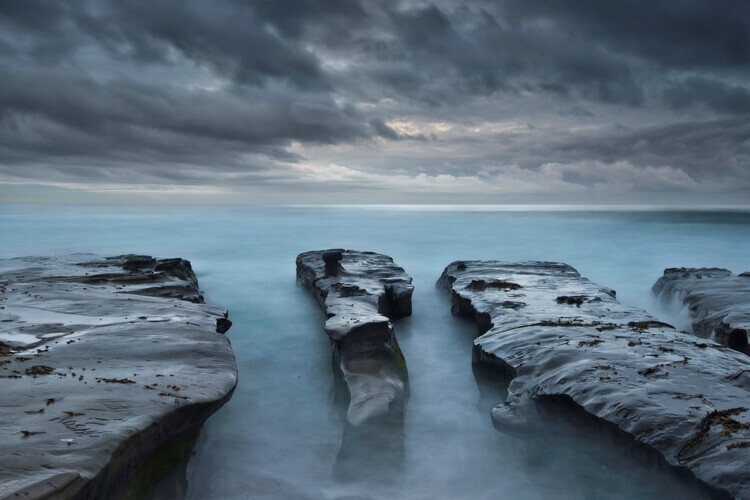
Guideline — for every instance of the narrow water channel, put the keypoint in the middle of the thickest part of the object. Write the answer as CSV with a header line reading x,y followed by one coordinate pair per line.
x,y
453,451
279,437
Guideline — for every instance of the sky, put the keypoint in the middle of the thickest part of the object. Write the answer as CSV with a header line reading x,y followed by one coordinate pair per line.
x,y
349,101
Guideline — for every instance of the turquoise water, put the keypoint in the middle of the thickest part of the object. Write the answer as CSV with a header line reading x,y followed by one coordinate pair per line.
x,y
279,435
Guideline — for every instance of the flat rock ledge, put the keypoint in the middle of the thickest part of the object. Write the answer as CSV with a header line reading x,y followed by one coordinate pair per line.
x,y
717,300
566,341
108,366
361,292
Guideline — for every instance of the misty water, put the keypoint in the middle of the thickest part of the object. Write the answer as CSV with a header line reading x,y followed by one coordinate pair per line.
x,y
279,435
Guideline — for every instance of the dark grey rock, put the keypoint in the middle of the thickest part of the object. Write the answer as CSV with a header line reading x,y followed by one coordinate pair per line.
x,y
360,298
223,325
657,388
104,370
718,302
361,292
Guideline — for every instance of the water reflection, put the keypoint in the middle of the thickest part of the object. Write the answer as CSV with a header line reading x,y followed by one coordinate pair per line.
x,y
372,450
564,445
492,383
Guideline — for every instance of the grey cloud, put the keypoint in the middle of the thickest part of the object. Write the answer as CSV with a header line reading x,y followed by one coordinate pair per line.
x,y
440,57
297,17
118,109
707,150
606,51
234,91
229,36
687,156
716,95
690,34
57,105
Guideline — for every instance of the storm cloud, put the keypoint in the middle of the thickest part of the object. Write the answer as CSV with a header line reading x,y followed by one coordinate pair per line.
x,y
318,100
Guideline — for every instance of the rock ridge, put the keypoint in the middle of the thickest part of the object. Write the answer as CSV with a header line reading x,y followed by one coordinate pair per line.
x,y
684,399
361,293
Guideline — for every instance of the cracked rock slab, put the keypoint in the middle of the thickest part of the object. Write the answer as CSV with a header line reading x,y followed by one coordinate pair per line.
x,y
717,300
103,363
361,292
681,397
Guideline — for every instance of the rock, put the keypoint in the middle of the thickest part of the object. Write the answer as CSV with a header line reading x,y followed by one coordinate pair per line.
x,y
108,365
659,390
718,302
223,325
361,292
331,258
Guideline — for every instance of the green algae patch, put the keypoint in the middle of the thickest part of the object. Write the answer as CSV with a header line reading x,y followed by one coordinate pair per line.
x,y
159,463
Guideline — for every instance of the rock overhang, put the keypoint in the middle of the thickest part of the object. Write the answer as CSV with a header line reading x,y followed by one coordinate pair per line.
x,y
100,354
660,388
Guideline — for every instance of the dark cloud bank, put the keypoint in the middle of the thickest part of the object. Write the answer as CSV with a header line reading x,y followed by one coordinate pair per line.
x,y
339,100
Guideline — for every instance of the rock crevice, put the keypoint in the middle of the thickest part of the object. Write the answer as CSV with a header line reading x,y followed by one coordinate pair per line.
x,y
717,301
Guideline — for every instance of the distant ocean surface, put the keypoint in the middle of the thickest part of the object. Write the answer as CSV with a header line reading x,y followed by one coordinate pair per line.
x,y
279,435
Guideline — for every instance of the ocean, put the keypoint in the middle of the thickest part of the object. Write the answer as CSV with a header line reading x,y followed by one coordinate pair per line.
x,y
279,435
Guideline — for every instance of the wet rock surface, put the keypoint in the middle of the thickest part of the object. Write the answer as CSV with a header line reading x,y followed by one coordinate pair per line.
x,y
717,300
107,366
361,293
569,345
